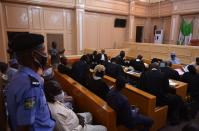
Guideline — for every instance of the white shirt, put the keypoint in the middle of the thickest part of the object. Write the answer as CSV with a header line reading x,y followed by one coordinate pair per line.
x,y
103,58
66,119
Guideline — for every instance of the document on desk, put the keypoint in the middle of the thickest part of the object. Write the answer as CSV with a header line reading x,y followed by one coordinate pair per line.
x,y
133,72
172,83
180,71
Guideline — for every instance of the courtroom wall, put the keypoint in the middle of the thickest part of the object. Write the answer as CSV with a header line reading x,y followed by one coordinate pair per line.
x,y
43,20
3,56
99,31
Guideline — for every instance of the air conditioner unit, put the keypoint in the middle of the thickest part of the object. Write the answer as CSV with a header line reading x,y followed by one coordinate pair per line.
x,y
158,38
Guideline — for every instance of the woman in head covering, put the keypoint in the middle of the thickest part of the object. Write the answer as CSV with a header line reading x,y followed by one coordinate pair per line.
x,y
96,84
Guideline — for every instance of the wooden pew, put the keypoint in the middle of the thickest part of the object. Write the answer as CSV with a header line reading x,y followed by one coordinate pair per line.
x,y
88,102
145,101
72,58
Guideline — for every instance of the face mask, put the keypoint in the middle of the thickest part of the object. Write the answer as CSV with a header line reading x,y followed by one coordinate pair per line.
x,y
59,97
40,59
4,77
99,74
48,73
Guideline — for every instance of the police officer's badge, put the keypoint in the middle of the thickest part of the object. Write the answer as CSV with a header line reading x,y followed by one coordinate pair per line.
x,y
29,103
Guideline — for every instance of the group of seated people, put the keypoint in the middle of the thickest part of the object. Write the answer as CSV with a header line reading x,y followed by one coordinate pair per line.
x,y
36,101
154,80
126,116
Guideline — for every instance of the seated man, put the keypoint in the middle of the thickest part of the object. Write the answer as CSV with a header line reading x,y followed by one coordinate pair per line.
x,y
96,84
63,68
125,114
93,59
80,70
174,59
138,64
114,70
192,78
66,119
196,64
120,59
156,60
170,72
102,57
155,82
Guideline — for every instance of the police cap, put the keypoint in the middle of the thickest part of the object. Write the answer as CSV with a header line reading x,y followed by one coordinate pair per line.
x,y
27,41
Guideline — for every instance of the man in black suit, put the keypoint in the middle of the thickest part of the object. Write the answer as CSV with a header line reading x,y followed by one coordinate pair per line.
x,y
114,70
80,70
96,84
138,64
102,57
93,59
120,59
125,114
169,72
192,78
155,82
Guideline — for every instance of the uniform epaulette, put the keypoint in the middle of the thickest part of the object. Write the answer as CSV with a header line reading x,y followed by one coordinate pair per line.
x,y
34,81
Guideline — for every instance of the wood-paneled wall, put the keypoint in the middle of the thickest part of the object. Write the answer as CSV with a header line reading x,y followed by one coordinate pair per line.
x,y
43,20
54,3
185,6
107,6
161,9
100,31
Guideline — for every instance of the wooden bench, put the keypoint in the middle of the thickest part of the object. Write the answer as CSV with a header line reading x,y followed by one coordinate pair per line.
x,y
145,101
88,102
72,58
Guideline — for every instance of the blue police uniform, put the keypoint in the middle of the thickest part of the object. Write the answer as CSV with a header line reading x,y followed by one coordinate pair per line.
x,y
26,102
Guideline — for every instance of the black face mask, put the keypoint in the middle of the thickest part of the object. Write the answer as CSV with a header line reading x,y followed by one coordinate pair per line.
x,y
40,59
99,74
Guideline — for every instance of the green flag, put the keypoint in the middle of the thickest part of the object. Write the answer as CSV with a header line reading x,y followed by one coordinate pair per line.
x,y
186,30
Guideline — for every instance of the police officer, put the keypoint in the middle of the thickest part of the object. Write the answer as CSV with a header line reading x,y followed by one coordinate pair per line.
x,y
26,102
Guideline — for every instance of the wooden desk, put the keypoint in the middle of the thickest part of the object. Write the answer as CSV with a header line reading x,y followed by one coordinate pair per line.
x,y
181,87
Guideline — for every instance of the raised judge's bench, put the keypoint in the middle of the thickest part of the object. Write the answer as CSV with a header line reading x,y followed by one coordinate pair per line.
x,y
186,54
